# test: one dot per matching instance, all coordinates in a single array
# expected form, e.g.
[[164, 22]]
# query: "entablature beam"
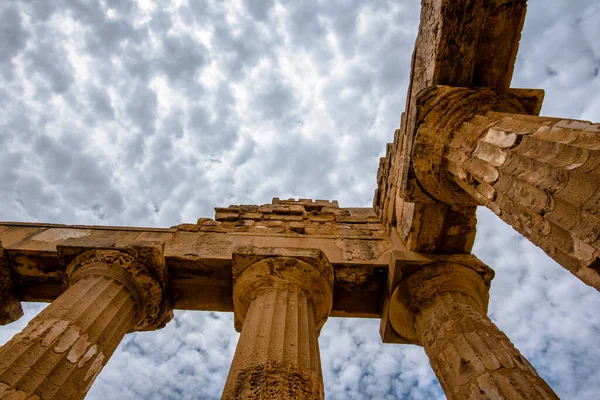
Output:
[[198, 256]]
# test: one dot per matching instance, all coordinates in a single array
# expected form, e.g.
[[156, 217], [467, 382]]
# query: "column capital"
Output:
[[473, 281], [140, 269], [257, 269], [441, 112]]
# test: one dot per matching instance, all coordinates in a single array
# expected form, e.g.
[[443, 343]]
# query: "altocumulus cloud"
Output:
[[151, 113]]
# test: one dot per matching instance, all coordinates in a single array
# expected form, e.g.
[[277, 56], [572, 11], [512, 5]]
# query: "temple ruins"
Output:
[[466, 139]]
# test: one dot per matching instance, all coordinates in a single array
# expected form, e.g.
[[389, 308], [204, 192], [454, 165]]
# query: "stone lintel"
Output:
[[10, 305]]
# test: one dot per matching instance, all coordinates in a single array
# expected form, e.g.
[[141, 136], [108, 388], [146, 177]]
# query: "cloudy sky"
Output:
[[151, 113]]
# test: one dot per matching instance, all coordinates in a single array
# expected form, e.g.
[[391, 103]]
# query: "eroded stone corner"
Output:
[[10, 305]]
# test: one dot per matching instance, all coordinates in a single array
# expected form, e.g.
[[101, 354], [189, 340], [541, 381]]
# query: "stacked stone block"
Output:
[[293, 217]]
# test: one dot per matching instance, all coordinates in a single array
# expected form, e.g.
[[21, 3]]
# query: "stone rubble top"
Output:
[[292, 216]]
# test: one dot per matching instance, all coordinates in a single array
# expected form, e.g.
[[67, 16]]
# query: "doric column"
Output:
[[282, 298], [443, 308], [540, 175], [62, 350]]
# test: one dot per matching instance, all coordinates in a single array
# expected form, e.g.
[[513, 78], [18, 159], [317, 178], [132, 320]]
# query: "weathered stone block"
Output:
[[245, 222], [289, 209], [284, 217], [251, 215], [321, 217], [225, 214]]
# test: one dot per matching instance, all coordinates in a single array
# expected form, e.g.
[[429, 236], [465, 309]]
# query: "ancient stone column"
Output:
[[443, 308], [62, 350], [540, 175], [282, 298]]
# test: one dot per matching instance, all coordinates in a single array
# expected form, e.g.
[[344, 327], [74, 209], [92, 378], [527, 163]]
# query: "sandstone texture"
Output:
[[282, 297], [198, 256]]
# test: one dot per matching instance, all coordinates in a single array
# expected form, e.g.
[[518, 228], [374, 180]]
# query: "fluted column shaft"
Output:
[[471, 357], [280, 303], [62, 350], [541, 176], [277, 355], [443, 308]]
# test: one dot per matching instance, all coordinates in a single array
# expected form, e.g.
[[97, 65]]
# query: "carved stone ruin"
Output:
[[466, 139]]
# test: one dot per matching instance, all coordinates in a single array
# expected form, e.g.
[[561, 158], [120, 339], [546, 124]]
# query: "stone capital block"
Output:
[[401, 264], [10, 305], [257, 269]]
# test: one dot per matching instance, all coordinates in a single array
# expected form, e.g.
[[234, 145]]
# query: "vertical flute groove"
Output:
[[539, 175], [472, 358], [442, 307], [278, 350], [277, 300]]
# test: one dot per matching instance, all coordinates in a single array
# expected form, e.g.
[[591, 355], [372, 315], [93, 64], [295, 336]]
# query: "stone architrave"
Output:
[[541, 175], [442, 307], [198, 255], [282, 298], [62, 350]]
